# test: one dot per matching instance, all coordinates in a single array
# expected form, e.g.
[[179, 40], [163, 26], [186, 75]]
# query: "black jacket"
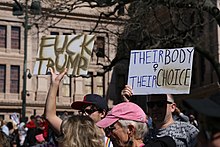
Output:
[[165, 141]]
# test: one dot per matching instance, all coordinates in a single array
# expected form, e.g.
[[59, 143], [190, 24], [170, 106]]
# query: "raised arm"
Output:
[[126, 93], [50, 106]]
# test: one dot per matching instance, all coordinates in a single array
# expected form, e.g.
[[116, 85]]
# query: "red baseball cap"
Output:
[[91, 99]]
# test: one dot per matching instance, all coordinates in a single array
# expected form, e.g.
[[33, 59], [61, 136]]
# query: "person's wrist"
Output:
[[55, 84]]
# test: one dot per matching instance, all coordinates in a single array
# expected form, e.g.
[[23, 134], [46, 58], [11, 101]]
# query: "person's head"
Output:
[[39, 120], [10, 125], [80, 130], [93, 105], [126, 122], [209, 134], [161, 107], [212, 128], [215, 142], [209, 118], [32, 117]]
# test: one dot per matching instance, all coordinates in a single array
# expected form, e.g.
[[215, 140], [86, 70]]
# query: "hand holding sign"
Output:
[[126, 93]]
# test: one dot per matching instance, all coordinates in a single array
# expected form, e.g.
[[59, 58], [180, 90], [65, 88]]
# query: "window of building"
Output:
[[100, 46], [3, 38], [2, 117], [66, 33], [66, 88], [14, 79], [54, 33], [2, 78], [15, 37]]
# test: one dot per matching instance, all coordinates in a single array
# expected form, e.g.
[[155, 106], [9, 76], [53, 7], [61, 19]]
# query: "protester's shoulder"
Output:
[[186, 126], [183, 124], [165, 141]]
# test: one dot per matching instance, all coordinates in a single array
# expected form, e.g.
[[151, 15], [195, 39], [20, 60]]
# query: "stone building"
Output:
[[12, 56], [83, 20]]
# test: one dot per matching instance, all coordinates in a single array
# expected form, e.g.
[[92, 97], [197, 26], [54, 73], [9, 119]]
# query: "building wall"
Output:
[[38, 85], [81, 21]]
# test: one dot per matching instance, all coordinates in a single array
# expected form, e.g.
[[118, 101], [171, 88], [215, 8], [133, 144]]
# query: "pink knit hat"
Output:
[[125, 111]]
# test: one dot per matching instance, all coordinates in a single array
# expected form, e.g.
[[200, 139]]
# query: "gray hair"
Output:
[[140, 128]]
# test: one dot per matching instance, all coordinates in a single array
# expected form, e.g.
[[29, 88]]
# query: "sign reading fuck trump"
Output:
[[161, 71], [64, 51]]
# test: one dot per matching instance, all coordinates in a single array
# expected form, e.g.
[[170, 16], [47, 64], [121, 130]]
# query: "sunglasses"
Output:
[[159, 104], [109, 130], [111, 127], [87, 111]]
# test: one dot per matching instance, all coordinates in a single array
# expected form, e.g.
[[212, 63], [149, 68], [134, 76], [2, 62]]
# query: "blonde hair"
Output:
[[81, 131]]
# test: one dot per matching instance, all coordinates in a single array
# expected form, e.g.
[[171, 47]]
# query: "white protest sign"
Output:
[[161, 71], [64, 51]]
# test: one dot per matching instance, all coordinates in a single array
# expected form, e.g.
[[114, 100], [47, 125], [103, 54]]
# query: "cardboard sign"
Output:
[[161, 71], [64, 51]]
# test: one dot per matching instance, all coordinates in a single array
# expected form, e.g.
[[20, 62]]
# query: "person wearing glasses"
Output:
[[96, 107], [127, 123], [92, 105], [161, 107], [74, 131]]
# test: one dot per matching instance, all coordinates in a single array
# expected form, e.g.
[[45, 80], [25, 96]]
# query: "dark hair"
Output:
[[165, 141], [10, 125], [32, 117]]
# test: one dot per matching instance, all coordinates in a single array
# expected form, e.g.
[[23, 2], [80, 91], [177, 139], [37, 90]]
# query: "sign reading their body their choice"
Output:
[[161, 71], [64, 51]]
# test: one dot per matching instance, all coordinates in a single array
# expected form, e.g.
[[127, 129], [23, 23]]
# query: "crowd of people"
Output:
[[124, 125], [25, 134]]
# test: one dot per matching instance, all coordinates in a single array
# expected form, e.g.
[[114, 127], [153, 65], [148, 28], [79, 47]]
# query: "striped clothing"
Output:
[[108, 142]]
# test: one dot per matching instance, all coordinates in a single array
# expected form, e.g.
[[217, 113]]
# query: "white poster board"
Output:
[[161, 71], [64, 51]]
